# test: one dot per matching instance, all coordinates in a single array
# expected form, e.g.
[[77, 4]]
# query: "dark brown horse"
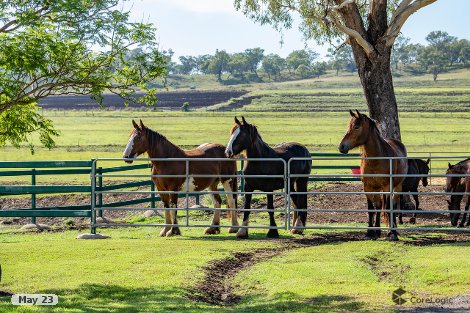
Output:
[[245, 137], [411, 183], [143, 139], [363, 132], [458, 184]]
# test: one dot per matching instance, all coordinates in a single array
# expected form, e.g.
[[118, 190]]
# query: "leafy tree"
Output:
[[202, 63], [437, 56], [187, 64], [370, 27], [272, 65], [218, 64], [68, 47], [300, 57], [342, 59], [254, 58], [238, 64]]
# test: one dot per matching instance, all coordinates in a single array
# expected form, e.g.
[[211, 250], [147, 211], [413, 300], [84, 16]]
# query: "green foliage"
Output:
[[70, 47], [185, 107]]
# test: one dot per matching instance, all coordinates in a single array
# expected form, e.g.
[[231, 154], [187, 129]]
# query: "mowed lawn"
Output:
[[138, 271]]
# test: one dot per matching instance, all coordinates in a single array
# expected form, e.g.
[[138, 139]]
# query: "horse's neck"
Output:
[[374, 146], [163, 148], [259, 150]]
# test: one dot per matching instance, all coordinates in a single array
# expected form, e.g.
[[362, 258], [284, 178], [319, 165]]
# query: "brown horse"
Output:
[[363, 132], [143, 139], [458, 184]]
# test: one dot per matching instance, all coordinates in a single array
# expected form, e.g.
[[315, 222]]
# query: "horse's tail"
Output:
[[383, 213]]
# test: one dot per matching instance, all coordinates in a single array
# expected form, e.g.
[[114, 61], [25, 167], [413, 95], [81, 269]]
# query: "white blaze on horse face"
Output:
[[130, 145], [232, 140]]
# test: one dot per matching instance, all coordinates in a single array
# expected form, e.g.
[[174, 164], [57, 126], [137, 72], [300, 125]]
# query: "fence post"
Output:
[[152, 196], [392, 224], [430, 168], [242, 179], [33, 195], [93, 197], [100, 186]]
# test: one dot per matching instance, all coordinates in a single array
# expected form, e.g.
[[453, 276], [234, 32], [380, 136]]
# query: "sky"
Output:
[[196, 27]]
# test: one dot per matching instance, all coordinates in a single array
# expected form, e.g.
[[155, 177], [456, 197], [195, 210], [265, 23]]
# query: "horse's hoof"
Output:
[[401, 222], [232, 230], [378, 233], [413, 220], [242, 233], [392, 237], [371, 235], [163, 232], [297, 231], [273, 233], [212, 231], [173, 232], [461, 225]]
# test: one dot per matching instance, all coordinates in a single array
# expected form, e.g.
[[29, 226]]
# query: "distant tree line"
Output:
[[443, 53]]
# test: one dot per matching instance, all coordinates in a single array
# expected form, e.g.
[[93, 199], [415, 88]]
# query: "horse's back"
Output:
[[214, 150], [398, 148], [289, 150]]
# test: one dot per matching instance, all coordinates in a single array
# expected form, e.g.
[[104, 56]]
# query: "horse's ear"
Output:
[[135, 125], [358, 113], [352, 113], [141, 125], [237, 121], [450, 165], [243, 120], [428, 160]]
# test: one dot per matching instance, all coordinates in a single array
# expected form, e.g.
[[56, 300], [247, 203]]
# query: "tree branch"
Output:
[[352, 33], [401, 15]]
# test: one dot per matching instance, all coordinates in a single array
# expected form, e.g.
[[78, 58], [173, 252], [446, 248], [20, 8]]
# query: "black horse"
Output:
[[245, 137], [456, 184], [411, 183]]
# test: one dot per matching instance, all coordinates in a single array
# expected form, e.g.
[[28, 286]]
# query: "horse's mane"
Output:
[[156, 139], [462, 165]]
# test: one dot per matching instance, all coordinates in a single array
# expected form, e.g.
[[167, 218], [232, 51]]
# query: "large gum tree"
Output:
[[57, 47], [369, 26]]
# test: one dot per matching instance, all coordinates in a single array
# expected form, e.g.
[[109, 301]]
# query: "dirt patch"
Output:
[[217, 286]]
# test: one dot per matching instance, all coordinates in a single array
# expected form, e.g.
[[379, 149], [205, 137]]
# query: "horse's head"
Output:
[[138, 142], [454, 205], [423, 168], [452, 181], [358, 131], [242, 136]]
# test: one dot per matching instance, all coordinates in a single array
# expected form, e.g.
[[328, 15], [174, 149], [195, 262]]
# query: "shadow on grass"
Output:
[[289, 302], [119, 299]]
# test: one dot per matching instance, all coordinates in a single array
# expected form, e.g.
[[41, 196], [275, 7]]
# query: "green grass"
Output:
[[138, 271]]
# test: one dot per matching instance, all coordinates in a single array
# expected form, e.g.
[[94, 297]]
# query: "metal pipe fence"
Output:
[[285, 209]]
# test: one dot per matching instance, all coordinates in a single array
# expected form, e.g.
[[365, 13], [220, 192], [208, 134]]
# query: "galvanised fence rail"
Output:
[[321, 172]]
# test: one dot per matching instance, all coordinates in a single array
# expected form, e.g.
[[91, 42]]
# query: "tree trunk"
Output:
[[376, 79]]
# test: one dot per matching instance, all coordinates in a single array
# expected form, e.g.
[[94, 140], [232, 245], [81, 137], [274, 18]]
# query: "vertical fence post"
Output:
[[430, 168], [100, 186], [242, 179], [93, 197], [187, 192], [33, 195], [152, 196], [392, 225], [286, 194]]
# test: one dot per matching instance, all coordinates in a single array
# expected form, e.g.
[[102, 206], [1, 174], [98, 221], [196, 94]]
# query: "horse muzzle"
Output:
[[229, 154], [343, 148], [128, 159]]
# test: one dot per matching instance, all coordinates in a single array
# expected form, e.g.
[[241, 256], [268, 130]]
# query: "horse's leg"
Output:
[[242, 233], [166, 204], [216, 201], [272, 233], [301, 204], [370, 206], [464, 217], [379, 207], [466, 208], [174, 230], [400, 215], [392, 235], [413, 219], [230, 186]]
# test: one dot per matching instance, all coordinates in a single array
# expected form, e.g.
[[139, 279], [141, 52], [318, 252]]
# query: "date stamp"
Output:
[[34, 299]]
